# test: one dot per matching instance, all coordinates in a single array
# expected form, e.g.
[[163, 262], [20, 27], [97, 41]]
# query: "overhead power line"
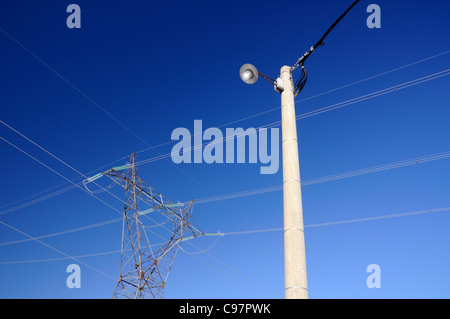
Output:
[[252, 192], [74, 87], [369, 170], [313, 96], [412, 161], [102, 109], [63, 184], [59, 258], [320, 42], [146, 216], [229, 123], [60, 233], [60, 160], [59, 174], [256, 231], [347, 221], [40, 199], [57, 250], [361, 98]]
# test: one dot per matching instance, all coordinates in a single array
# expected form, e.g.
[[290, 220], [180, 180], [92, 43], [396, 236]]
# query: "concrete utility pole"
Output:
[[295, 282]]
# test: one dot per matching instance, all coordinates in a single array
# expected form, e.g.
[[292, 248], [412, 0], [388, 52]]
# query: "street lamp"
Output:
[[295, 279], [248, 73]]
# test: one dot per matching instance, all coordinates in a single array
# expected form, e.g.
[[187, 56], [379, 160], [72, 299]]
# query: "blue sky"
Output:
[[157, 66]]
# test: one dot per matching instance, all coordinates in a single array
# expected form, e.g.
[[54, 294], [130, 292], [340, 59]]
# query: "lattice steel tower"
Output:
[[143, 269]]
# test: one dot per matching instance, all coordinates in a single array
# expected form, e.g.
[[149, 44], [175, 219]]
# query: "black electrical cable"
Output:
[[320, 42], [300, 83]]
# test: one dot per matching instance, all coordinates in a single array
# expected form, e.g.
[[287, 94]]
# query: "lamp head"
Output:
[[248, 73]]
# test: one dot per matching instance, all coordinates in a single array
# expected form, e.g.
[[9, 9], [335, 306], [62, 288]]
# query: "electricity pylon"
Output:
[[144, 270]]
